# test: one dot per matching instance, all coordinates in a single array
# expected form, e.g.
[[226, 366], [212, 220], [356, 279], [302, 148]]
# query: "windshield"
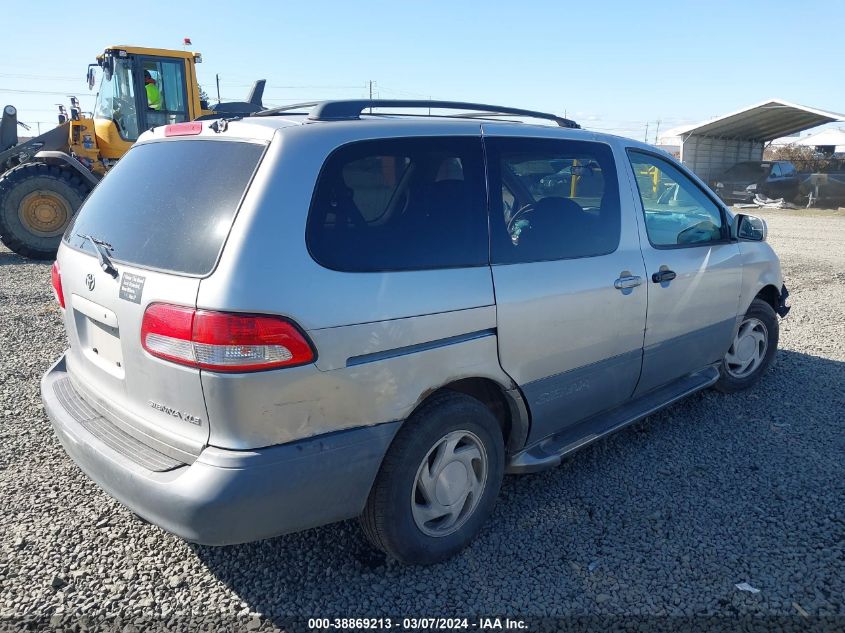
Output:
[[157, 208], [116, 99]]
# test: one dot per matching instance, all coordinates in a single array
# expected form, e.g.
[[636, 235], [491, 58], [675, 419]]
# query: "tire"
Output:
[[760, 321], [37, 192], [393, 517]]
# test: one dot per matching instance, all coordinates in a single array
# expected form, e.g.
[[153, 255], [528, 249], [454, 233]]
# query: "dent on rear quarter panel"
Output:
[[266, 408]]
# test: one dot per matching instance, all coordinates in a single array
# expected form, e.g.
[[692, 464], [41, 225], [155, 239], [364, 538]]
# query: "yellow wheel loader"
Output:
[[44, 180]]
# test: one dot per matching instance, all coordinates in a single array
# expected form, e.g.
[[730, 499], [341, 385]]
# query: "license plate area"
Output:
[[99, 336], [104, 343]]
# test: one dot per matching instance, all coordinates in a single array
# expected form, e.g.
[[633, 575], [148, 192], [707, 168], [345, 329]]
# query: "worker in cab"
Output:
[[153, 94]]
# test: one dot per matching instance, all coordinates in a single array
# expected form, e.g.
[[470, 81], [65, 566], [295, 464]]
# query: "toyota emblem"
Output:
[[90, 281]]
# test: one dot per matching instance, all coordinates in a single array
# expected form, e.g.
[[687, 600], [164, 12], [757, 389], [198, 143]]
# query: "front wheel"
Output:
[[752, 350], [439, 481]]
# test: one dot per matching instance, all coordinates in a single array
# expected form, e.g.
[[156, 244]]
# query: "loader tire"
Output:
[[37, 202]]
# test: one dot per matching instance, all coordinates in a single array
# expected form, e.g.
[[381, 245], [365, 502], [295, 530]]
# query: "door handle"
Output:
[[663, 275], [627, 282]]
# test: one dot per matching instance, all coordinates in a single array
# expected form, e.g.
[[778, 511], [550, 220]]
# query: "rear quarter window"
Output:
[[169, 205], [400, 204]]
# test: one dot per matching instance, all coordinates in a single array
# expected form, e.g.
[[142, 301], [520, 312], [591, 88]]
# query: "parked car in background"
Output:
[[743, 181], [347, 315], [823, 181]]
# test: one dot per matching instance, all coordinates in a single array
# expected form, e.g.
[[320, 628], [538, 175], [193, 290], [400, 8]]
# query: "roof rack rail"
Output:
[[351, 109]]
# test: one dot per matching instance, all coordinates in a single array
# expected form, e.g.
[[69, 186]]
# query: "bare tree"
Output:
[[804, 157]]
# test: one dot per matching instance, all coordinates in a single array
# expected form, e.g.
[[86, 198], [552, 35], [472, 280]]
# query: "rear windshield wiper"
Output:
[[101, 247]]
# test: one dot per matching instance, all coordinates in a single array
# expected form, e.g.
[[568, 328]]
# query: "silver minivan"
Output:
[[293, 319]]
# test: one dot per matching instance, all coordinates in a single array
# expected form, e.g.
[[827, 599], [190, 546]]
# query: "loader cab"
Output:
[[122, 112]]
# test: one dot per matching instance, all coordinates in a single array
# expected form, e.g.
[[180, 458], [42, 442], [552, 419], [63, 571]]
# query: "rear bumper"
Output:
[[734, 193], [226, 496], [732, 198]]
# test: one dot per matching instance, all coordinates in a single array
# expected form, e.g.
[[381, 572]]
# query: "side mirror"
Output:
[[749, 227], [90, 77]]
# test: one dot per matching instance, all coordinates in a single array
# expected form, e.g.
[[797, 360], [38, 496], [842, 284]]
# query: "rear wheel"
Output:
[[439, 481], [752, 350], [37, 202]]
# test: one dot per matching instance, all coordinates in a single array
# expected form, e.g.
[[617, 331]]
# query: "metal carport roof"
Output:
[[762, 122]]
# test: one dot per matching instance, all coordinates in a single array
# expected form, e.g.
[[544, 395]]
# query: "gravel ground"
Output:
[[664, 518]]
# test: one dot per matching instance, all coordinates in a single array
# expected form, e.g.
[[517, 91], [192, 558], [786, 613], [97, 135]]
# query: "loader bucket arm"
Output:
[[52, 140]]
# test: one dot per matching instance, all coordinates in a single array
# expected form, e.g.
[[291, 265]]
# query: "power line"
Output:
[[65, 93], [78, 80], [407, 93], [298, 87]]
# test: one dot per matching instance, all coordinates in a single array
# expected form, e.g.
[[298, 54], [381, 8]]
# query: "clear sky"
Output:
[[611, 65]]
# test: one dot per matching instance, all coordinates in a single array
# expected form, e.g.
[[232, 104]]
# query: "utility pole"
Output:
[[371, 95], [217, 78], [656, 132], [645, 138], [39, 127]]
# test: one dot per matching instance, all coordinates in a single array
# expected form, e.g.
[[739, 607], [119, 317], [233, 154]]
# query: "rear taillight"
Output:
[[56, 278], [222, 341]]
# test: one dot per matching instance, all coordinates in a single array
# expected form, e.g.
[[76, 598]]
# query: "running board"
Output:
[[549, 452]]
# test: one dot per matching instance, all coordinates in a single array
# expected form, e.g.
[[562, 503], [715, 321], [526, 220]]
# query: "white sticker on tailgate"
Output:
[[132, 287]]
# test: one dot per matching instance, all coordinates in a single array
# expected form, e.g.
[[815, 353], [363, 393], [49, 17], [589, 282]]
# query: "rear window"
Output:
[[168, 205], [401, 204]]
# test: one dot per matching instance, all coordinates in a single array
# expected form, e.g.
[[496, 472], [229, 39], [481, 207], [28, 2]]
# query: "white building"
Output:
[[827, 140]]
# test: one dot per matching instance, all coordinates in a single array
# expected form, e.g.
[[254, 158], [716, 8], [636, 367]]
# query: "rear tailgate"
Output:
[[164, 212], [106, 363]]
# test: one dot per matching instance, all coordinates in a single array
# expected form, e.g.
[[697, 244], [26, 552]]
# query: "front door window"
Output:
[[677, 212]]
